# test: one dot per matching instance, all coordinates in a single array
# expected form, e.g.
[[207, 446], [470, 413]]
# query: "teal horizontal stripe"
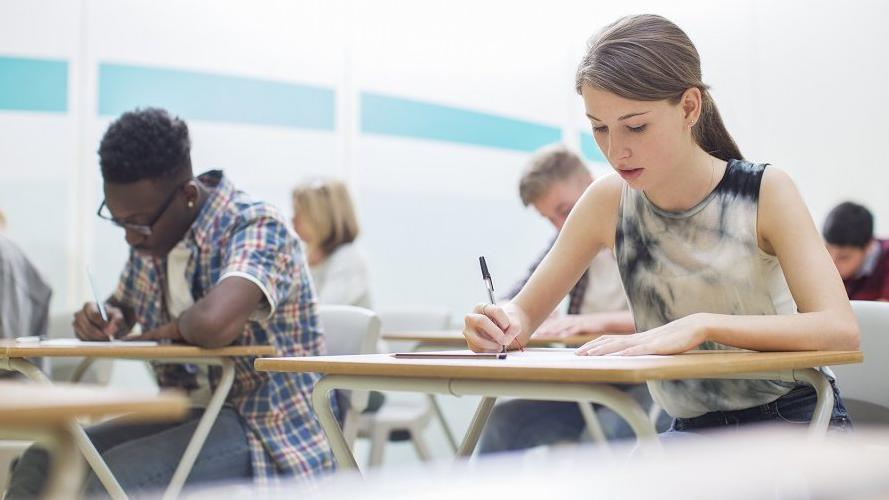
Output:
[[215, 97], [386, 115], [589, 149], [33, 84]]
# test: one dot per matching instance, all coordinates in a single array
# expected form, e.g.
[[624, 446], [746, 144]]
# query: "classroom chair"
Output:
[[406, 419], [350, 330], [862, 385]]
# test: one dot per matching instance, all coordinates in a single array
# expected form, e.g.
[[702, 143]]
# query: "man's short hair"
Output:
[[849, 225], [548, 166], [145, 144]]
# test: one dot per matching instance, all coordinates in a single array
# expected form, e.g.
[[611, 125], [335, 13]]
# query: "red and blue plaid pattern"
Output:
[[235, 235]]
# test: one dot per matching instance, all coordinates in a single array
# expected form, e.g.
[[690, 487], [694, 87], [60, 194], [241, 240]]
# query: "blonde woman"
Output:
[[715, 252], [324, 218]]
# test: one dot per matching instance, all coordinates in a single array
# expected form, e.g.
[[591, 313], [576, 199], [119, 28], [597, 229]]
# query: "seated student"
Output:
[[324, 218], [24, 294], [861, 259], [553, 181], [208, 266], [715, 252]]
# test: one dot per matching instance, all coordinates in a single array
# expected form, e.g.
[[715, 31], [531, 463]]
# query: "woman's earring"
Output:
[[190, 204]]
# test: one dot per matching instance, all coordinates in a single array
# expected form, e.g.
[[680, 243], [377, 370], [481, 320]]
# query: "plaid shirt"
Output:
[[575, 296], [872, 283], [235, 236]]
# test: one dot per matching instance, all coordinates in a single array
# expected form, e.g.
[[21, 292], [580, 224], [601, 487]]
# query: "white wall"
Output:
[[798, 84]]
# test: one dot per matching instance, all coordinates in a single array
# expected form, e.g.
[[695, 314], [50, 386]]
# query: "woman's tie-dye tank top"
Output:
[[705, 259]]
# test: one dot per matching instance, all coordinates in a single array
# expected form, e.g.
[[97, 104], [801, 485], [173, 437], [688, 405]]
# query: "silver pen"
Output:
[[99, 303], [489, 284]]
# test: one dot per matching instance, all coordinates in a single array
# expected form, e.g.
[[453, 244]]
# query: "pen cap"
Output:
[[485, 274]]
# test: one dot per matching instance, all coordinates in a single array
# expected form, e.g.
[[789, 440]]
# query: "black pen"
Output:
[[489, 284]]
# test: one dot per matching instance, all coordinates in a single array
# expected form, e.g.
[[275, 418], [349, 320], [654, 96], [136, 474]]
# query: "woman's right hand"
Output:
[[489, 327], [89, 325]]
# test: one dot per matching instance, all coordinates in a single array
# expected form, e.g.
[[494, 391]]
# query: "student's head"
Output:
[[149, 187], [848, 231], [323, 215], [553, 181], [641, 85]]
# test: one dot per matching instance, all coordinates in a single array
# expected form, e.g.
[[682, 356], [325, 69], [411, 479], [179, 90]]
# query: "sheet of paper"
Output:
[[549, 355], [101, 343]]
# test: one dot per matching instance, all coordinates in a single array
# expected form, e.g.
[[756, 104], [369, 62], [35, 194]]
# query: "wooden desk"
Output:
[[448, 338], [48, 414], [552, 374], [13, 349], [13, 354], [453, 339]]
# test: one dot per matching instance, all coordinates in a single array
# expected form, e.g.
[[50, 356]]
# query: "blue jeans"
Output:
[[143, 457], [520, 424], [794, 408]]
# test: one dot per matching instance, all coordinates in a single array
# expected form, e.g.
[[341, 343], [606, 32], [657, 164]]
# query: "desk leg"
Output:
[[819, 381], [203, 429], [594, 427], [81, 369], [824, 406], [433, 401], [65, 476], [66, 472], [618, 401], [621, 403], [439, 415], [342, 452], [470, 439], [92, 456]]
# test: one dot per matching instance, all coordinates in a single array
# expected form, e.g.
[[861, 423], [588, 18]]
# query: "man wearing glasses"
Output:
[[211, 267]]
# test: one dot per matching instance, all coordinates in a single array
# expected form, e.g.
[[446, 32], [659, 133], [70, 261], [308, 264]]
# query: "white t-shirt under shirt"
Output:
[[343, 278], [179, 299], [604, 290]]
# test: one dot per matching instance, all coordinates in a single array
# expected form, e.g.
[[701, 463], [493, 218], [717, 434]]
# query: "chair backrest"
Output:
[[349, 329], [59, 325], [417, 319], [865, 382]]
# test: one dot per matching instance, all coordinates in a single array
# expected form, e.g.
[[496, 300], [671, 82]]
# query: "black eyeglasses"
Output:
[[145, 229]]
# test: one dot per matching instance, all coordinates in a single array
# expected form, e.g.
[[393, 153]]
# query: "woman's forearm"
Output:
[[814, 331]]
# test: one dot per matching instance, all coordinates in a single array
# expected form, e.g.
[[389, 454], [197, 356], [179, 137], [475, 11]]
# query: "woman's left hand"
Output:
[[675, 337]]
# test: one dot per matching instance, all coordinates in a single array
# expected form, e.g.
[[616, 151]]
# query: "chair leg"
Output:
[[654, 411], [420, 445], [378, 440]]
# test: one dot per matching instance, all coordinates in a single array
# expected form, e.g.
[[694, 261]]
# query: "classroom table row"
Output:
[[553, 374], [537, 373], [48, 414], [15, 356]]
